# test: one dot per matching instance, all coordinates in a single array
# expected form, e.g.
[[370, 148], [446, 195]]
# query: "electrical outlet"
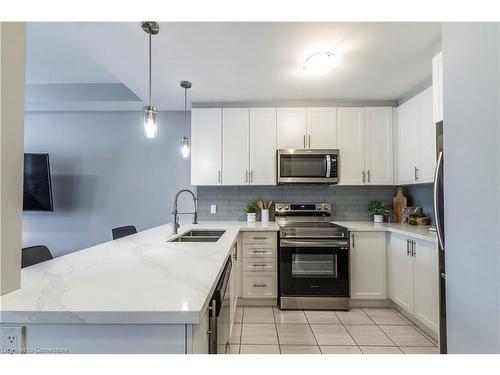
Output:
[[12, 339], [213, 209]]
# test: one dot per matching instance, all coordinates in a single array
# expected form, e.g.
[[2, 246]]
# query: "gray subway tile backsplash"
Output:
[[348, 202]]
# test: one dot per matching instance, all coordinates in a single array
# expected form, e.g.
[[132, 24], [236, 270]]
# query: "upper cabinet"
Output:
[[416, 140], [291, 127], [365, 139], [437, 88], [321, 128], [262, 162], [206, 146], [233, 146]]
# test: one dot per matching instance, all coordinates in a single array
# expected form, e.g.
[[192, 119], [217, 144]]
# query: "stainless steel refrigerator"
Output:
[[439, 223]]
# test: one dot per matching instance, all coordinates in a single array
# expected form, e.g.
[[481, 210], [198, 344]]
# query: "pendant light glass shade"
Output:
[[185, 147], [185, 140], [150, 122]]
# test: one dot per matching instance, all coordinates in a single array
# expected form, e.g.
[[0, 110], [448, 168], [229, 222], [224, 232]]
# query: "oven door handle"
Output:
[[315, 243], [328, 166]]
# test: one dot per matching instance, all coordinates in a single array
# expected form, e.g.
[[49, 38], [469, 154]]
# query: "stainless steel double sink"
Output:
[[200, 236]]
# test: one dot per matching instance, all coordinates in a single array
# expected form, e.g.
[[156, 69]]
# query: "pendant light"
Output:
[[185, 140], [150, 112]]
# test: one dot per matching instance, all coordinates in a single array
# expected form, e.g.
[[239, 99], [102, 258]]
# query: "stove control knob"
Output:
[[279, 207], [325, 207], [318, 207], [287, 207]]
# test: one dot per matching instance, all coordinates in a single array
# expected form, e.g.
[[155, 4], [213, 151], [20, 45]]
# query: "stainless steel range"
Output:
[[313, 258]]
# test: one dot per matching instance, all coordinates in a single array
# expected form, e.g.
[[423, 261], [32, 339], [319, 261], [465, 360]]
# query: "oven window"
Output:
[[302, 166], [314, 265]]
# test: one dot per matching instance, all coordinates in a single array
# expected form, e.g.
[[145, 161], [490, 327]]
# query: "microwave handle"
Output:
[[328, 165]]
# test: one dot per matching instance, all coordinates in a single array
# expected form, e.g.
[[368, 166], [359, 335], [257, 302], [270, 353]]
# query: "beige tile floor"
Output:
[[268, 330]]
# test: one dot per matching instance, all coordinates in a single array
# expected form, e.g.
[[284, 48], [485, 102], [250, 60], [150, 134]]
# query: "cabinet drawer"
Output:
[[259, 238], [259, 284], [259, 264], [263, 251]]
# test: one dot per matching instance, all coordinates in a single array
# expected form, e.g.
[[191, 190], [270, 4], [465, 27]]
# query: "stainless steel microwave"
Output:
[[297, 166]]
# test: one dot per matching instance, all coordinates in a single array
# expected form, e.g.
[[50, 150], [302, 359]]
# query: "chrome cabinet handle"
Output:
[[259, 285], [235, 253], [407, 247], [218, 176], [309, 140], [259, 251], [364, 177], [304, 140], [246, 176], [259, 265], [368, 175], [416, 174], [212, 329], [413, 249], [251, 176], [259, 238], [352, 237]]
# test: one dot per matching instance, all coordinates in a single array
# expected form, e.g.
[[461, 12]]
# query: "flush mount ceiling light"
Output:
[[185, 140], [150, 112], [320, 63]]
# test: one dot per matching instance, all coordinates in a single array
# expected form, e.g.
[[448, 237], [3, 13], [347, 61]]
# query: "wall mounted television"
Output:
[[37, 192]]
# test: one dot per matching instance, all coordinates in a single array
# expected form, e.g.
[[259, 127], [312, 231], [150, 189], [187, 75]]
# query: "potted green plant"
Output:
[[251, 211], [378, 209]]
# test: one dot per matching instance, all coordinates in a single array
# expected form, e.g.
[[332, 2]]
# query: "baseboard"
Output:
[[371, 302], [257, 301], [429, 332]]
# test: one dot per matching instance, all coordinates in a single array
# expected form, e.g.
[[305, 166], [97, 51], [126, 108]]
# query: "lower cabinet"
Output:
[[413, 278], [259, 272], [368, 265]]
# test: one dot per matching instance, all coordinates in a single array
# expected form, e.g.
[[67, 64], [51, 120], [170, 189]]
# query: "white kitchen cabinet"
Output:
[[291, 128], [427, 136], [350, 126], [416, 140], [426, 279], [401, 272], [368, 265], [379, 156], [206, 146], [413, 278], [437, 87], [321, 128], [262, 166], [235, 146]]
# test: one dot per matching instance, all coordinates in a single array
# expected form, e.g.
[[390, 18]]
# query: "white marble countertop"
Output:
[[419, 232], [141, 278]]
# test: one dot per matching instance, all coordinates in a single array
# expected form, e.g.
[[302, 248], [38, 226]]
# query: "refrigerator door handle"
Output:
[[438, 172]]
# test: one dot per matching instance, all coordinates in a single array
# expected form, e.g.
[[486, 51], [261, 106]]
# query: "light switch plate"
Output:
[[12, 339], [213, 209]]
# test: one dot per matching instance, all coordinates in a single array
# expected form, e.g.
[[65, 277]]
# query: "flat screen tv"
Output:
[[37, 195]]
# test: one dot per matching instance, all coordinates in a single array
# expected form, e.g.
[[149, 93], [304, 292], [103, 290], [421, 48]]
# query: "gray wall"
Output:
[[349, 202], [105, 173], [471, 58]]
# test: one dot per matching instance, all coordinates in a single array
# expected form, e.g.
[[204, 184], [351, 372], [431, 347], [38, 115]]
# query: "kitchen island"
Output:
[[137, 294]]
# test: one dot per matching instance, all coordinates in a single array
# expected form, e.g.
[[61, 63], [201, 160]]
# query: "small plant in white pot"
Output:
[[378, 209], [251, 211]]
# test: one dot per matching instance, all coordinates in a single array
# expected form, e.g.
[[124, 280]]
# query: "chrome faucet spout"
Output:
[[176, 213]]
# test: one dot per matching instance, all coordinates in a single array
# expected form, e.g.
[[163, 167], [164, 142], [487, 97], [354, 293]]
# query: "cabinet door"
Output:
[[235, 130], [263, 146], [321, 128], [368, 265], [401, 272], [408, 141], [291, 127], [206, 146], [426, 278], [350, 126], [427, 136], [437, 87], [379, 146]]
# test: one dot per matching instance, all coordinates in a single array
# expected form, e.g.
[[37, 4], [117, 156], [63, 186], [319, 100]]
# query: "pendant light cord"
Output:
[[150, 69], [185, 109]]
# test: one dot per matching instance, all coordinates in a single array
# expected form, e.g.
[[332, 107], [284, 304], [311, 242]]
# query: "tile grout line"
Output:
[[374, 322], [276, 329], [312, 331], [349, 333]]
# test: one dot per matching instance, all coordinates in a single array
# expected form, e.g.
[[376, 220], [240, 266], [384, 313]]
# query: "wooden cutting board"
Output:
[[398, 203]]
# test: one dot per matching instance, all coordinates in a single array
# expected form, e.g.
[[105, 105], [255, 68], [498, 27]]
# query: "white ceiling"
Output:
[[236, 61]]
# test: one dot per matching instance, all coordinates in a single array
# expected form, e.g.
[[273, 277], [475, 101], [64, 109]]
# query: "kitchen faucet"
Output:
[[176, 213]]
